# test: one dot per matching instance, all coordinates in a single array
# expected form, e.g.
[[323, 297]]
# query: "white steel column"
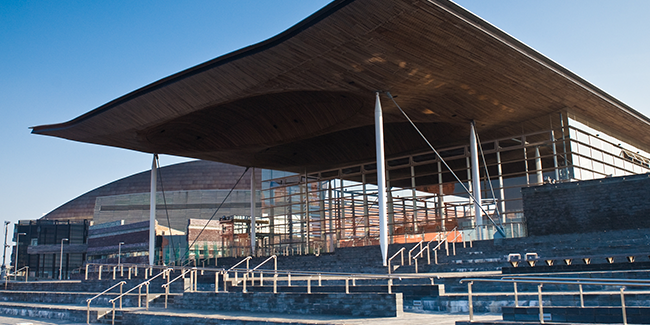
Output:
[[476, 181], [381, 180], [152, 209], [538, 167], [253, 200]]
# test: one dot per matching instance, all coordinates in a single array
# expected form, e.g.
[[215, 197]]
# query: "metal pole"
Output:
[[253, 199], [381, 180], [17, 243], [538, 166], [152, 209], [4, 251], [623, 306], [476, 181], [119, 252], [541, 308], [61, 260]]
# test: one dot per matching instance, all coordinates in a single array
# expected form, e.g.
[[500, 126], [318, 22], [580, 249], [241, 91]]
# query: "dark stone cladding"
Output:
[[193, 175], [615, 203]]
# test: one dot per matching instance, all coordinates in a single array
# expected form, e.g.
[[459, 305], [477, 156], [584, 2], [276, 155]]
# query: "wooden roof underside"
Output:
[[304, 100]]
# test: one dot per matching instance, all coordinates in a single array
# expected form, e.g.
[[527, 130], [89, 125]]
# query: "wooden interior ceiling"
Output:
[[304, 100]]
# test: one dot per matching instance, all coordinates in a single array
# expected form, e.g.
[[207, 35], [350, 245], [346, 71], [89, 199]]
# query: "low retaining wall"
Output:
[[354, 304]]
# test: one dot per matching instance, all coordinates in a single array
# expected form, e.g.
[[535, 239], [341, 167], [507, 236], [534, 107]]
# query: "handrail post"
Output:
[[216, 281], [140, 296], [319, 280], [146, 298], [541, 308], [87, 271], [402, 256], [309, 285], [225, 281], [113, 317], [244, 281], [469, 301], [416, 264], [114, 273], [99, 274], [516, 296], [390, 285], [129, 273], [347, 285], [166, 295], [261, 279], [275, 283], [428, 255], [289, 279], [435, 255], [88, 312], [623, 306], [121, 285], [582, 299]]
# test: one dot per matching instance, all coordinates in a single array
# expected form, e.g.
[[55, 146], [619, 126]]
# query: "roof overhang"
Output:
[[304, 99]]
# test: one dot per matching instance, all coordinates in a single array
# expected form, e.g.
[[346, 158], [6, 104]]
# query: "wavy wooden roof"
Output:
[[304, 99]]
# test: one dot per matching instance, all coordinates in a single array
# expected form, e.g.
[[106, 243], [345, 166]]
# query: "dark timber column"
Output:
[[381, 179]]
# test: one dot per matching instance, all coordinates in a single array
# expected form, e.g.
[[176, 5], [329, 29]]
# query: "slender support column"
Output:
[[152, 209], [441, 199], [476, 181], [502, 192], [381, 180], [253, 200], [538, 167]]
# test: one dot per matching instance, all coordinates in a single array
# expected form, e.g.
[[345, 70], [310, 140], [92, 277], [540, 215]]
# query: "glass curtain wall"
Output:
[[320, 211]]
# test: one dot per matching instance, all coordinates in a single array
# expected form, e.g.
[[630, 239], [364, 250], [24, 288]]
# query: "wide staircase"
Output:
[[477, 277]]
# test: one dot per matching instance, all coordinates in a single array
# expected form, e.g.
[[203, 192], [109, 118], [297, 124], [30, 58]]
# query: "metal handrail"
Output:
[[268, 259], [242, 261], [139, 286], [392, 257], [15, 274], [166, 285], [89, 300], [414, 247], [540, 281]]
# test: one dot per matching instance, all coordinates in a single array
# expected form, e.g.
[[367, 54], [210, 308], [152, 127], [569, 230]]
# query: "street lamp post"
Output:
[[4, 251], [119, 252], [17, 242], [61, 260]]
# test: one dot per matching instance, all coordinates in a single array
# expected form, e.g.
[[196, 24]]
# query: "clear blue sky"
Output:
[[60, 59]]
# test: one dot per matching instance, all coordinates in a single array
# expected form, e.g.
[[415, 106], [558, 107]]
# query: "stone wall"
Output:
[[615, 203], [355, 304]]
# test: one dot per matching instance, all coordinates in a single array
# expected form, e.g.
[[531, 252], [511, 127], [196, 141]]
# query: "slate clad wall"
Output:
[[354, 304], [615, 203]]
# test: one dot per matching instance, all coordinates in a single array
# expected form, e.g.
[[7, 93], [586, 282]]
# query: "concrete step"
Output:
[[73, 313]]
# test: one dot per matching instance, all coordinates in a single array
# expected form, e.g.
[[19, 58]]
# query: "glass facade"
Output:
[[319, 211]]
